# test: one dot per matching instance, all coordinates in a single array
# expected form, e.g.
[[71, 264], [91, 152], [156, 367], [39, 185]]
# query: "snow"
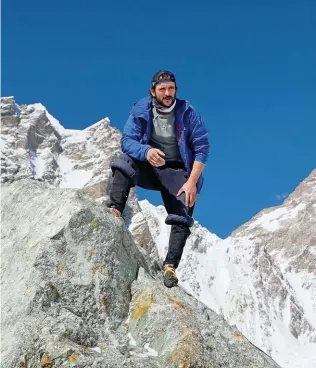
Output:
[[96, 349], [54, 122], [40, 167], [21, 151], [151, 352], [3, 144], [137, 222], [56, 125], [17, 110], [98, 123], [75, 136], [65, 164], [72, 178], [41, 161], [219, 273], [296, 281], [132, 341], [273, 220], [289, 352], [76, 179]]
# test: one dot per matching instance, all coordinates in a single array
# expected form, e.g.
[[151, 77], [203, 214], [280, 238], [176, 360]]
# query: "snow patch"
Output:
[[56, 125], [3, 144], [96, 349], [296, 281], [21, 151], [151, 352], [65, 164], [272, 221], [76, 179], [132, 341]]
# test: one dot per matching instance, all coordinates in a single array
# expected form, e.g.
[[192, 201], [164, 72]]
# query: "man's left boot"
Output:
[[169, 276]]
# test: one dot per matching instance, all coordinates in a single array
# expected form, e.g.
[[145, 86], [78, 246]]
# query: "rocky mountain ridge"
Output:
[[262, 278]]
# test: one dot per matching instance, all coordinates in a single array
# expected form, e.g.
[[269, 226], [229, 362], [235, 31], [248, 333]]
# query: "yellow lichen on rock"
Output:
[[72, 358], [184, 352], [239, 337], [144, 304], [95, 225], [46, 361]]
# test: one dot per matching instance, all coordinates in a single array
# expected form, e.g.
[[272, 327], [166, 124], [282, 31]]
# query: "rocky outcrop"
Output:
[[76, 291]]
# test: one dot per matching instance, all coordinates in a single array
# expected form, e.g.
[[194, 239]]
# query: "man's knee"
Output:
[[127, 166], [184, 230], [179, 220]]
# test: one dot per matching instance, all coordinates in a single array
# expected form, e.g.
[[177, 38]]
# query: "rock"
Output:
[[76, 291], [178, 331], [67, 269]]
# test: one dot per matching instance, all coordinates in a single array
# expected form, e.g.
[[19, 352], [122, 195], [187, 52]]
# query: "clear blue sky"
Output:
[[247, 66]]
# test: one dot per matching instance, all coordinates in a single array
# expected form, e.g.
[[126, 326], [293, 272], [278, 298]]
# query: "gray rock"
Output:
[[35, 145], [176, 330], [67, 269], [73, 294]]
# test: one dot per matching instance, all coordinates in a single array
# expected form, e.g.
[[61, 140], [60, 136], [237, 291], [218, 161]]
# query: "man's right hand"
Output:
[[155, 157]]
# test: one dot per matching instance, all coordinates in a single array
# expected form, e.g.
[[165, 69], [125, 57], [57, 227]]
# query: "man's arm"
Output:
[[190, 186], [198, 137], [131, 138], [196, 171], [200, 145]]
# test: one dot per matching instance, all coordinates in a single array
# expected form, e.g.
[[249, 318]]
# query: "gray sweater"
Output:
[[164, 135]]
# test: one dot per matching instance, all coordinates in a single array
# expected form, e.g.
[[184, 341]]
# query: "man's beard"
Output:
[[162, 104]]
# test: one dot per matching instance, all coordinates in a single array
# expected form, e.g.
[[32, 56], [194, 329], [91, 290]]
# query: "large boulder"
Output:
[[76, 291]]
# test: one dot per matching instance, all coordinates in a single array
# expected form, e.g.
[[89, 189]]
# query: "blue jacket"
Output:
[[191, 133]]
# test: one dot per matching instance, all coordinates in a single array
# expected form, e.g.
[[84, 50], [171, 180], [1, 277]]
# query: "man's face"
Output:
[[165, 93]]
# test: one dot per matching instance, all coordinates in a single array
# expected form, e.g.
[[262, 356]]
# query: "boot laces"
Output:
[[170, 271]]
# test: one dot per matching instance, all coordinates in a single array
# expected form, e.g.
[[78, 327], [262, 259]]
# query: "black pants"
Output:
[[167, 179]]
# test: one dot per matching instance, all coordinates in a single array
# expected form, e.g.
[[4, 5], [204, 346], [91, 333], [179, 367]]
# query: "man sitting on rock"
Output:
[[165, 147]]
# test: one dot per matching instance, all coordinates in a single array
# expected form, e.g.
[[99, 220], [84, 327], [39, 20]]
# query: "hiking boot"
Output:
[[169, 276]]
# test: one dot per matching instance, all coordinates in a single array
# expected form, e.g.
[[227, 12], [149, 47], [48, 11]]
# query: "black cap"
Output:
[[162, 76]]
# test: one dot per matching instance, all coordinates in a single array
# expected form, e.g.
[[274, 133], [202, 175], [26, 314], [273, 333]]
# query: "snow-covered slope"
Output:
[[262, 278]]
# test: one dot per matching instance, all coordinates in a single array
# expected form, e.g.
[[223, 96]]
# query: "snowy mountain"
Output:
[[262, 278], [34, 144]]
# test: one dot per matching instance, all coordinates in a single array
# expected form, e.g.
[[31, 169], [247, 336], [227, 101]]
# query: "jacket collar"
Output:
[[143, 108]]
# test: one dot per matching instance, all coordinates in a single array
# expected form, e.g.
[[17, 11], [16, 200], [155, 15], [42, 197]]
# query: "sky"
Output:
[[247, 67]]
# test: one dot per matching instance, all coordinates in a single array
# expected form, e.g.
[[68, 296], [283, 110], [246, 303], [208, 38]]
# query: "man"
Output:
[[165, 147]]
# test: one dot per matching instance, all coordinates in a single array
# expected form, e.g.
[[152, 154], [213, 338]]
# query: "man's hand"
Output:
[[155, 157], [190, 193]]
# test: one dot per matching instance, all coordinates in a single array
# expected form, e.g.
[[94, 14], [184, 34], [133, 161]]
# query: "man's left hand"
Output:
[[190, 193]]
